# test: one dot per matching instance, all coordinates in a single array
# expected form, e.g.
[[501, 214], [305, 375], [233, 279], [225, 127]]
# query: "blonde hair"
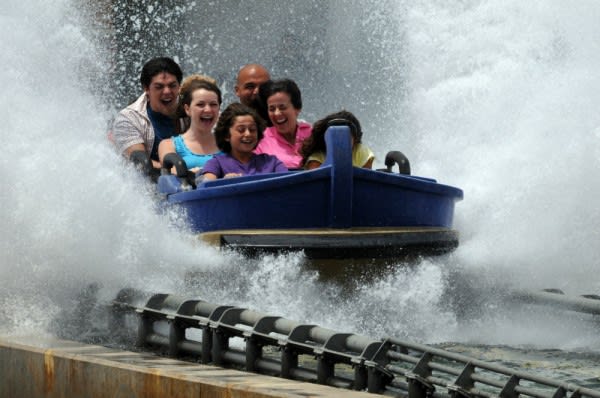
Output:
[[190, 84], [195, 77]]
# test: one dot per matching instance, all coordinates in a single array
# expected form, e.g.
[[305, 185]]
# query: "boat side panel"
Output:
[[420, 184], [251, 184], [296, 206], [380, 204]]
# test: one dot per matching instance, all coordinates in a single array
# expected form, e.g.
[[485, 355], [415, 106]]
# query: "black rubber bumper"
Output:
[[344, 243]]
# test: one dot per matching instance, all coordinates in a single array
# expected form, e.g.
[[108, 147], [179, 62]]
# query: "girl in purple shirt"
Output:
[[238, 131]]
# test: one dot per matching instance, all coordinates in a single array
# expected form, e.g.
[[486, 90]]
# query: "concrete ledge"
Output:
[[45, 367]]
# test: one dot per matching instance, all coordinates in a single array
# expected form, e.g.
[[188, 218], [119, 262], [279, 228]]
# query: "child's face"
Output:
[[243, 134]]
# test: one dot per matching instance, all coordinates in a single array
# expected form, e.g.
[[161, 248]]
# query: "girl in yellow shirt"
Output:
[[313, 149]]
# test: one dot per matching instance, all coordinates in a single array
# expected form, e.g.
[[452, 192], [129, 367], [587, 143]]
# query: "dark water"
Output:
[[498, 98]]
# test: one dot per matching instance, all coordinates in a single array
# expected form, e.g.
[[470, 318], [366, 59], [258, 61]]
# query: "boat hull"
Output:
[[339, 243]]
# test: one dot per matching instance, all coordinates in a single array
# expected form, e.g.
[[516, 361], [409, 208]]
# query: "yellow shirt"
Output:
[[360, 155]]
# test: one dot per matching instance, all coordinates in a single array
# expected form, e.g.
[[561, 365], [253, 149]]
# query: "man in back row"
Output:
[[152, 117], [249, 79]]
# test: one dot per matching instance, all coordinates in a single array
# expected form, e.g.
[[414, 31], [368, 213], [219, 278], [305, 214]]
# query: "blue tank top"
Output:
[[191, 159]]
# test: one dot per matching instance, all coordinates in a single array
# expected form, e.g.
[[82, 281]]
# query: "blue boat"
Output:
[[334, 211]]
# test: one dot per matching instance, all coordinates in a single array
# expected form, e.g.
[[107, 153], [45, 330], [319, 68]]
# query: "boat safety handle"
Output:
[[397, 157], [174, 160], [140, 161]]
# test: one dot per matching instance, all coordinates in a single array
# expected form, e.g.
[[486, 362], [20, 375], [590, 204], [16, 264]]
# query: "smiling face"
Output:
[[162, 93], [249, 80], [283, 115], [243, 136], [203, 109]]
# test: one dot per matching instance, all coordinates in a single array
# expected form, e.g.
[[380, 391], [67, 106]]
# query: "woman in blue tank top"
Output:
[[201, 102]]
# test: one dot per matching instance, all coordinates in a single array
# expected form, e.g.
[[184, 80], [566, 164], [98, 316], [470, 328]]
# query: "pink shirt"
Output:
[[274, 144]]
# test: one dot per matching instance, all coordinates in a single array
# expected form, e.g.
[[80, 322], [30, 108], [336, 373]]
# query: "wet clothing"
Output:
[[259, 164], [274, 144], [360, 155], [190, 158]]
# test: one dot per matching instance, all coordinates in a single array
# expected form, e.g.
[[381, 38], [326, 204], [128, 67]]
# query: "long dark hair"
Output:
[[316, 142], [287, 86]]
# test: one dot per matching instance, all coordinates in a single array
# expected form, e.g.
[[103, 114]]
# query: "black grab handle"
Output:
[[140, 161], [174, 160], [397, 157]]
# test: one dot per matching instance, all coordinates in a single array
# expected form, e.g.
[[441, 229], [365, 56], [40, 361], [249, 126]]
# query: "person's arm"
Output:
[[363, 154], [369, 164], [314, 160], [127, 136], [312, 164], [133, 148], [166, 146], [140, 147], [212, 169], [280, 167]]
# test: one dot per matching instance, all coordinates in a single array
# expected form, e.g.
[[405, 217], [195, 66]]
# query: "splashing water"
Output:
[[502, 102], [509, 107], [498, 98], [72, 213]]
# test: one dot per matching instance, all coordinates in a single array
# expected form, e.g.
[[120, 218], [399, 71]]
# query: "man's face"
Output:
[[162, 93], [249, 80]]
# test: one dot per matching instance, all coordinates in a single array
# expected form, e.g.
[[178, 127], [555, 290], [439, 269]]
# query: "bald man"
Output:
[[249, 79]]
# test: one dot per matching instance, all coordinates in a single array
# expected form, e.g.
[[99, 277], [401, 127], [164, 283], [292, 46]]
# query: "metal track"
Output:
[[585, 303], [236, 337]]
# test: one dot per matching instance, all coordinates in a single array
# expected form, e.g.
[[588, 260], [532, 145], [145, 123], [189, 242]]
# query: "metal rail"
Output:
[[237, 337], [586, 303]]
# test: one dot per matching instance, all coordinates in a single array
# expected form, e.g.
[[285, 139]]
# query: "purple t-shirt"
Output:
[[259, 164]]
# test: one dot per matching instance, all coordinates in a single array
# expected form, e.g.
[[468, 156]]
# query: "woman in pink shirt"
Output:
[[284, 139]]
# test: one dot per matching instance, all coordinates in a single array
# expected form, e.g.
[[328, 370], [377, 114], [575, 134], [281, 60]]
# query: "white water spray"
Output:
[[72, 213], [503, 103]]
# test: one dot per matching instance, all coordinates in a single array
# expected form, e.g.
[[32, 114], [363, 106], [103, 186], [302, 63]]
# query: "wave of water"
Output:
[[72, 213], [507, 111], [499, 98], [503, 103]]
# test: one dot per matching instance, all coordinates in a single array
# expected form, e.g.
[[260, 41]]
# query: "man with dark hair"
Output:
[[152, 117]]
